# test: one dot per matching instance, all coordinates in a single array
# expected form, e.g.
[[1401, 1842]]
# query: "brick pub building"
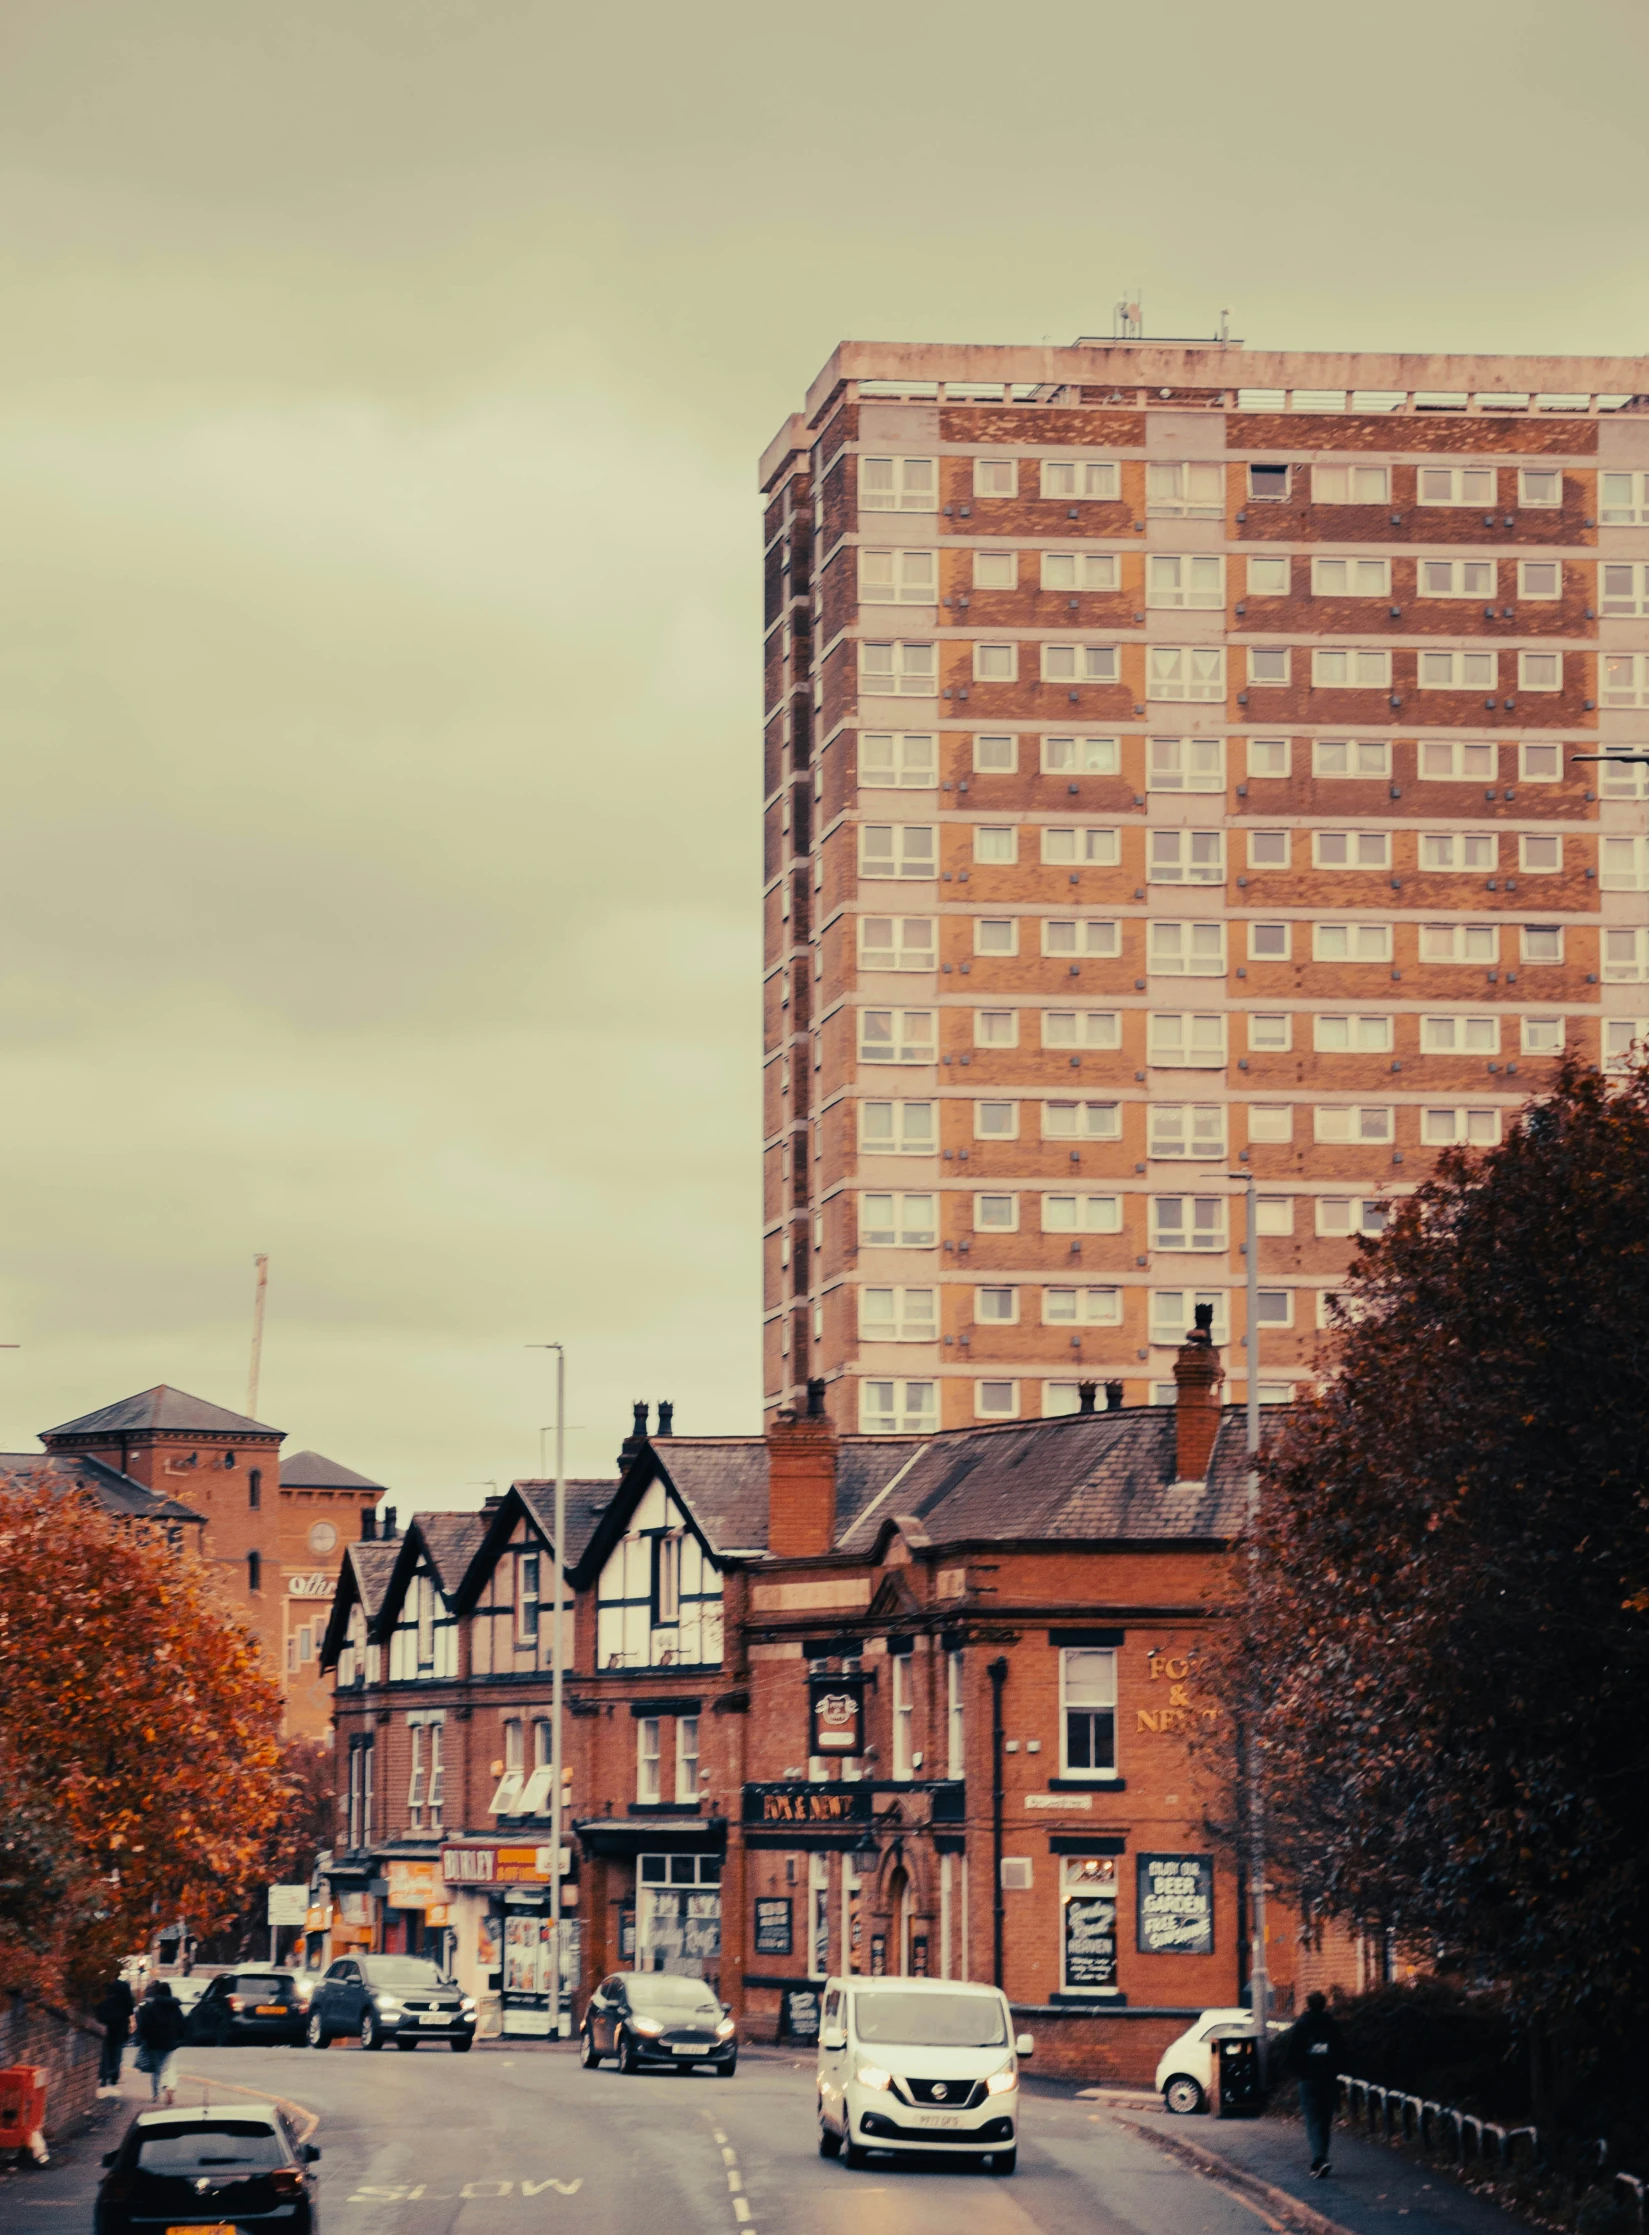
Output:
[[900, 1704], [1170, 765]]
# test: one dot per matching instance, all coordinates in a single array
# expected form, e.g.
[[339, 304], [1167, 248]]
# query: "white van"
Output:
[[919, 2064]]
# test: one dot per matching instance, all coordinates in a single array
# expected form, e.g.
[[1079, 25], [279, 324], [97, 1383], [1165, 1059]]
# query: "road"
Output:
[[525, 2142]]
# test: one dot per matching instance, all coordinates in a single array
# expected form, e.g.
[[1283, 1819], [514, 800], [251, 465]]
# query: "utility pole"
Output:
[[1259, 1973], [556, 1662], [259, 1291]]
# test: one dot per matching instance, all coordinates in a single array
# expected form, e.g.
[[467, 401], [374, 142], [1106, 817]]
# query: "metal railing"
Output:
[[1396, 2116]]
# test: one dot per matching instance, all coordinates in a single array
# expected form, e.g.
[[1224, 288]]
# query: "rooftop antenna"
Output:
[[260, 1290], [1128, 319]]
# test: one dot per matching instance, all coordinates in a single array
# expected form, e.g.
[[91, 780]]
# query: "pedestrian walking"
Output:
[[114, 2015], [1314, 2051], [159, 2034]]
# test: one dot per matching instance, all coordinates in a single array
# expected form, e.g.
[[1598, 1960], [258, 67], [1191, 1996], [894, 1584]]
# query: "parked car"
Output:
[[657, 2017], [918, 2064], [403, 1999], [246, 2006], [1185, 2070], [238, 2168]]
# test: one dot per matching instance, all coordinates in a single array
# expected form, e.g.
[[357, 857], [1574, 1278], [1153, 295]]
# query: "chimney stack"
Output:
[[1113, 1396], [1197, 1378], [666, 1417], [389, 1524], [636, 1438], [801, 1480], [369, 1524], [1085, 1392]]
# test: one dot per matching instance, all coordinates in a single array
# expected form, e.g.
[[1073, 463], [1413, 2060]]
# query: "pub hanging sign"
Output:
[[837, 1715]]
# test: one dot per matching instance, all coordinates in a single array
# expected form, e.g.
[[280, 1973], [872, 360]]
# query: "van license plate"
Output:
[[938, 2118]]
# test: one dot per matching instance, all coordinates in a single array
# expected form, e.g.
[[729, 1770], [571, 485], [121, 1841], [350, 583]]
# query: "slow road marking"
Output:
[[472, 2192]]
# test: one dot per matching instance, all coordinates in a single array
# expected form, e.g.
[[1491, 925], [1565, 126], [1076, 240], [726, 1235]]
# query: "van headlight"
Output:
[[873, 2076], [1003, 2082], [467, 2005]]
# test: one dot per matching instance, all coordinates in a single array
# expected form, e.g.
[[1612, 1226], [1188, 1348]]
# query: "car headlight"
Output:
[[386, 2001], [1003, 2082], [873, 2076], [649, 2026], [724, 2029]]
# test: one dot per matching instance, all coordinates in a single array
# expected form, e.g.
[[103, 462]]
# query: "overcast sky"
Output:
[[381, 388]]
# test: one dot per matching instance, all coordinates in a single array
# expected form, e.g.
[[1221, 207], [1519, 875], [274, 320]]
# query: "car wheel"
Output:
[[853, 2157], [406, 2041], [727, 2070], [372, 2033], [461, 2047], [830, 2142], [590, 2057], [1182, 2095], [1005, 2161], [628, 2059], [315, 2033]]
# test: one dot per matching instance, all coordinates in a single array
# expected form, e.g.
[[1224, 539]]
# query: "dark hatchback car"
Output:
[[375, 1999], [249, 2006], [653, 2017], [230, 2170]]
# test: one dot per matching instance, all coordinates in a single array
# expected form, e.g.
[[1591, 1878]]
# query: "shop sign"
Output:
[[500, 1866], [1176, 1905], [807, 1804], [415, 1885], [799, 2009], [838, 1715], [309, 1586], [1091, 1943], [773, 1927]]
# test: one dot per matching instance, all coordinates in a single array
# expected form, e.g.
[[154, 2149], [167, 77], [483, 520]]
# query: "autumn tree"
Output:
[[306, 1823], [1441, 1657], [138, 1743]]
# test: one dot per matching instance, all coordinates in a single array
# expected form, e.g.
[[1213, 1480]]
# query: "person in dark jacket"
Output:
[[114, 2015], [159, 2031], [1314, 2052]]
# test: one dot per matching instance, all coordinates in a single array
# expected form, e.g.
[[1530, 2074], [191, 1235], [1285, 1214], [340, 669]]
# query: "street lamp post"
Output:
[[1259, 1973], [556, 1660]]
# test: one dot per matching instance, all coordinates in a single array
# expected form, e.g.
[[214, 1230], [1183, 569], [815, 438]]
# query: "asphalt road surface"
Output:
[[523, 2141]]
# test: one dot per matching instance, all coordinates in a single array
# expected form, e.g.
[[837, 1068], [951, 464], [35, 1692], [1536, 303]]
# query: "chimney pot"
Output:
[[389, 1523], [1113, 1396], [815, 1400], [638, 1425], [666, 1417], [1085, 1391], [369, 1524]]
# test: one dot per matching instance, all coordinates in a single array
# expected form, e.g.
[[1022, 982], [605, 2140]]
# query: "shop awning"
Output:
[[653, 1835]]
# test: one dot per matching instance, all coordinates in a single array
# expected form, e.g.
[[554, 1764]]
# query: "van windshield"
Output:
[[931, 2021]]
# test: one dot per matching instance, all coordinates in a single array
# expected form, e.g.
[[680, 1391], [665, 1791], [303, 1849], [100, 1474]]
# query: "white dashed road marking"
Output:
[[735, 2179]]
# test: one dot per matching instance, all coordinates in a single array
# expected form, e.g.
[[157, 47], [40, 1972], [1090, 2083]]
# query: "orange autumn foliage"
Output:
[[139, 1743]]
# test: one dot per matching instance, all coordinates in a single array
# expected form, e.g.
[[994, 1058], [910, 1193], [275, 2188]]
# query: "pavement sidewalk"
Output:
[[1371, 2188]]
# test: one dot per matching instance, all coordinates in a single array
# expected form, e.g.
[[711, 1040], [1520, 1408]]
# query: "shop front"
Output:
[[417, 1913], [502, 1932]]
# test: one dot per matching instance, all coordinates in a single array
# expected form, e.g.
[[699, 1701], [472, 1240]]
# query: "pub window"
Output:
[[1088, 1696]]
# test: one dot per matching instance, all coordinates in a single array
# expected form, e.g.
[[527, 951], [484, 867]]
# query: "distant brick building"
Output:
[[1170, 762], [896, 1704], [271, 1534]]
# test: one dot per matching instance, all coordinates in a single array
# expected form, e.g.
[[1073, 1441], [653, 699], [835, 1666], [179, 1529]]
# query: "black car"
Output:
[[248, 2006], [654, 2017], [403, 1999], [239, 2169]]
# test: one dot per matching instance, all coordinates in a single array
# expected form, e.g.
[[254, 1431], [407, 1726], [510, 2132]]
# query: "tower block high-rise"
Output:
[[1171, 767]]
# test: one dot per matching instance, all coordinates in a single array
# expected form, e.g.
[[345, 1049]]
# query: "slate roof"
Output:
[[587, 1501], [162, 1407], [371, 1566], [115, 1492], [309, 1470], [451, 1540], [1076, 1477]]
